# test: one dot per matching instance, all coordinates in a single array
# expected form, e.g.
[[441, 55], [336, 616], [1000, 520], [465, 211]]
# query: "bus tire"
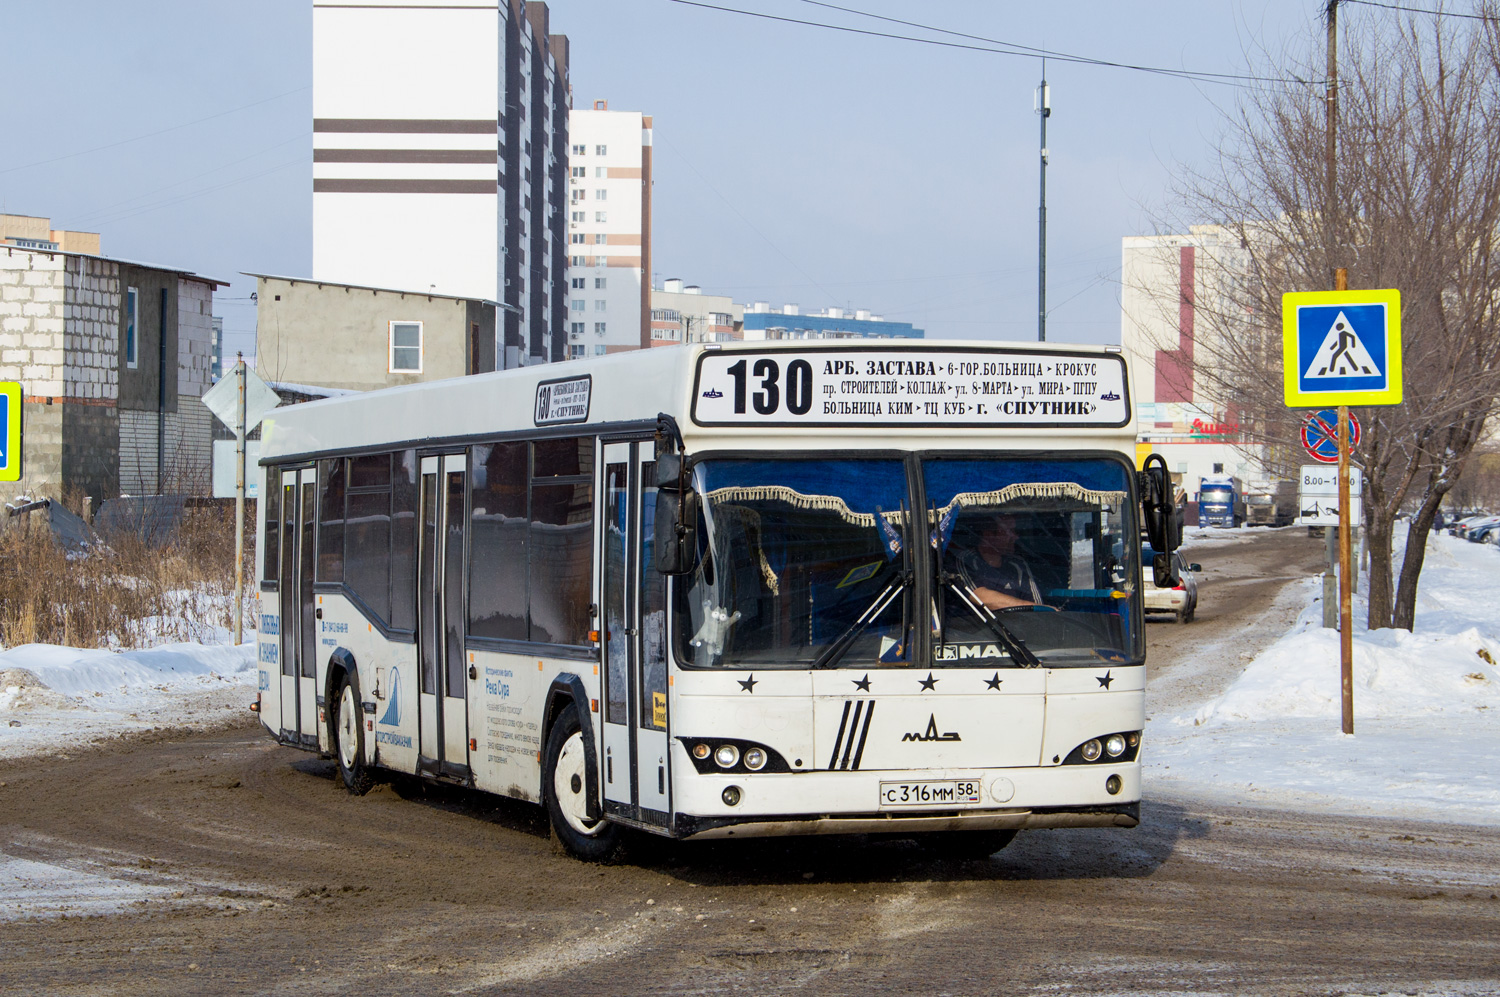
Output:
[[967, 845], [349, 737], [565, 783]]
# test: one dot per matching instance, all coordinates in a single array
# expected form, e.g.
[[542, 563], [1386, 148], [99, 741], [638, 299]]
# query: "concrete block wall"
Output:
[[138, 452], [195, 337], [32, 322], [92, 329]]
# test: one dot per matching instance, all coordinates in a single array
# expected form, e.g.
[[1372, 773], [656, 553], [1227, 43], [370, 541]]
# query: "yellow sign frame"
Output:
[[1293, 301], [10, 469]]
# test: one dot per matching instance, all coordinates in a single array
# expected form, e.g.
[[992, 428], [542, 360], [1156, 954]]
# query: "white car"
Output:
[[1181, 601]]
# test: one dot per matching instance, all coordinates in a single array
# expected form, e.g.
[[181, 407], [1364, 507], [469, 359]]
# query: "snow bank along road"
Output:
[[217, 862]]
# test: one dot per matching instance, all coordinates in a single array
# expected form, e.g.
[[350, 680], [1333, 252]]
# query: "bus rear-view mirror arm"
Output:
[[1159, 516]]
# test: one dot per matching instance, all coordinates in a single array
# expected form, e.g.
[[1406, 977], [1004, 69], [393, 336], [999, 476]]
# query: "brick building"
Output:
[[113, 358]]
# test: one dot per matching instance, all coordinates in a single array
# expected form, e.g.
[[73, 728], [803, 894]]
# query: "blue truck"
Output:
[[1221, 500]]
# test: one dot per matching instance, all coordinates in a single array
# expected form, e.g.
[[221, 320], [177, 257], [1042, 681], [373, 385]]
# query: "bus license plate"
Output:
[[929, 794]]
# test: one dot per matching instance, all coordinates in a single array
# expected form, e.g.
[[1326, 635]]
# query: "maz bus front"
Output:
[[726, 589]]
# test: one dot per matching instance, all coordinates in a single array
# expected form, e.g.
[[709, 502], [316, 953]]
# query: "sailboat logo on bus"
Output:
[[392, 715], [713, 393]]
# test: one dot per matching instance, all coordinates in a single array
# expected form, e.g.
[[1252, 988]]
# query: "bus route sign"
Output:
[[10, 431], [894, 386], [1341, 347]]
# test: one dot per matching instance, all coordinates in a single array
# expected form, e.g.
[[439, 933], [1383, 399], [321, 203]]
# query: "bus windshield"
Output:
[[800, 560], [1034, 561], [814, 563]]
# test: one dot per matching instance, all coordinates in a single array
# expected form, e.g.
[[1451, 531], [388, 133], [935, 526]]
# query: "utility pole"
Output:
[[1044, 109], [239, 499], [1340, 283]]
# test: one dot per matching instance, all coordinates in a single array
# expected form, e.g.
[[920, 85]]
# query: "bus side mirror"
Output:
[[669, 471], [1162, 575], [1159, 513], [676, 530]]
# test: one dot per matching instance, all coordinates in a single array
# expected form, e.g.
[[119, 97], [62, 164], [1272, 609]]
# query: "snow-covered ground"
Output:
[[53, 699], [1426, 742]]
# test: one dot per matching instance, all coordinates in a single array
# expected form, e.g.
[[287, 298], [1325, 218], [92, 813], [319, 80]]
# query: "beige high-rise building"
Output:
[[31, 232]]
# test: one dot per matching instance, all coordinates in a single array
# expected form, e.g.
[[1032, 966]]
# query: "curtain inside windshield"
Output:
[[801, 560], [1034, 561]]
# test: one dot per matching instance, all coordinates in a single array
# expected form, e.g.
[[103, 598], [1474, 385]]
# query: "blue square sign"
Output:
[[1342, 347]]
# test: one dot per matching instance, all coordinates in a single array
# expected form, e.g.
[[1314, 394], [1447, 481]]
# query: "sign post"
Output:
[[240, 403], [1342, 347]]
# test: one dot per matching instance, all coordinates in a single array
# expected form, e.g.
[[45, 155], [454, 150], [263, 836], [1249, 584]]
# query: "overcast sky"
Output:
[[793, 164]]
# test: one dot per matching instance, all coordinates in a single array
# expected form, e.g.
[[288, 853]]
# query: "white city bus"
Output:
[[725, 589]]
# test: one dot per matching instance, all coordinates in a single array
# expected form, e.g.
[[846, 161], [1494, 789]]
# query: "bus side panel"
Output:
[[387, 678], [505, 721], [268, 664]]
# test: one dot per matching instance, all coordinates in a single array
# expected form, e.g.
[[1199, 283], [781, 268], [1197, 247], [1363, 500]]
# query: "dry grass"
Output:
[[124, 593]]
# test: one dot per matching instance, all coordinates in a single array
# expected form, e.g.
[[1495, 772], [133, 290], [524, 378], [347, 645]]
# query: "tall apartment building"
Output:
[[684, 314], [1170, 284], [440, 157], [761, 321], [609, 231]]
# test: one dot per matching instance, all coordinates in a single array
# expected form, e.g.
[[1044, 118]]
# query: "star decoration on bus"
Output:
[[749, 684], [1104, 680], [994, 683], [863, 684], [929, 683]]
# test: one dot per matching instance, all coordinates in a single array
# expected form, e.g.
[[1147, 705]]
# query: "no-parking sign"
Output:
[[1320, 435]]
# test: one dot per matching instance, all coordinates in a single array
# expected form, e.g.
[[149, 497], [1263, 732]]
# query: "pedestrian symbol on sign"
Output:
[[1342, 354]]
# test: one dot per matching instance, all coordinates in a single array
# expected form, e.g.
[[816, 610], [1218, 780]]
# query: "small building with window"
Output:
[[113, 358], [358, 338]]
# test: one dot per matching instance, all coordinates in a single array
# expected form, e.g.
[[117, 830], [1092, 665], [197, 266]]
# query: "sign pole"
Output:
[[1346, 628], [239, 499]]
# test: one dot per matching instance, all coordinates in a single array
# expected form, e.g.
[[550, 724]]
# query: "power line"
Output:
[[1011, 49], [161, 131], [1423, 10]]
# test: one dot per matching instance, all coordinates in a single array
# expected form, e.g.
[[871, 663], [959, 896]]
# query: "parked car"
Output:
[[1182, 601], [1480, 531], [1460, 527]]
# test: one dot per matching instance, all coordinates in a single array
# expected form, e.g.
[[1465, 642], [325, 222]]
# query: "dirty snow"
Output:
[[1426, 708], [54, 698]]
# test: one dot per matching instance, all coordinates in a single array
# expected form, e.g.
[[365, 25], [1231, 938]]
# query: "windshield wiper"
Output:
[[1013, 645], [845, 640]]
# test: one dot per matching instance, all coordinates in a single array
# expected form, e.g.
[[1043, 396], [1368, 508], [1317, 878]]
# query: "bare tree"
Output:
[[1416, 207]]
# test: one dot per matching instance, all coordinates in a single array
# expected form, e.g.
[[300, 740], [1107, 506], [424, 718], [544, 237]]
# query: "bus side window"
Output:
[[331, 520], [404, 540], [497, 541], [270, 500]]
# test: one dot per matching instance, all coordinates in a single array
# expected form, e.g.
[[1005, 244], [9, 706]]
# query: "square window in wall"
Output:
[[599, 351], [578, 282], [575, 261], [580, 150], [600, 239], [576, 328], [598, 328], [132, 323], [601, 172], [580, 171], [601, 195], [406, 348], [600, 305], [577, 304], [601, 150], [576, 351], [599, 283], [575, 238], [578, 216], [601, 216]]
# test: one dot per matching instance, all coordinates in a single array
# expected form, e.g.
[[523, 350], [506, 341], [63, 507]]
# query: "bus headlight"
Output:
[[755, 759], [701, 750], [727, 755], [1115, 745], [1091, 750]]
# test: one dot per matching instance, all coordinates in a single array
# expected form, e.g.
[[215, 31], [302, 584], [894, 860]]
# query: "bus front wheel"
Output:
[[349, 738], [566, 782]]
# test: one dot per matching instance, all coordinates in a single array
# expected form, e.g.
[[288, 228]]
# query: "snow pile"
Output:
[[1426, 708], [54, 697]]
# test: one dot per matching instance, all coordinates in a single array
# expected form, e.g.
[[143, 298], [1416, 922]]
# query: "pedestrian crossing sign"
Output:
[[10, 431], [1342, 347]]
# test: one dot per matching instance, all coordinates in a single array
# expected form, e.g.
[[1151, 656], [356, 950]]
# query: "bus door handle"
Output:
[[473, 672], [631, 631]]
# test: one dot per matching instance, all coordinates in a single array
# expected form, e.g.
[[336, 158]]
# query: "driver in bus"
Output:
[[1000, 577]]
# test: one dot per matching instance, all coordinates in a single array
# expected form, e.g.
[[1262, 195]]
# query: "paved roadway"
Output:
[[263, 877]]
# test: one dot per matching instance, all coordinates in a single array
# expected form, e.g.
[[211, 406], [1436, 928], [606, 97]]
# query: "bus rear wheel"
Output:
[[349, 738], [566, 784]]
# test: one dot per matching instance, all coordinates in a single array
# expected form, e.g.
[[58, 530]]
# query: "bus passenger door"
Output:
[[650, 645], [443, 691], [299, 637], [614, 766]]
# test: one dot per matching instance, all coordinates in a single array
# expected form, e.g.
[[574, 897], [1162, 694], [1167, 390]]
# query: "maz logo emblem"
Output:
[[713, 393], [931, 733]]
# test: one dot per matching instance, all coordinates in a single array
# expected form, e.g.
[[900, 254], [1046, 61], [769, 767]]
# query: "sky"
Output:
[[793, 164]]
